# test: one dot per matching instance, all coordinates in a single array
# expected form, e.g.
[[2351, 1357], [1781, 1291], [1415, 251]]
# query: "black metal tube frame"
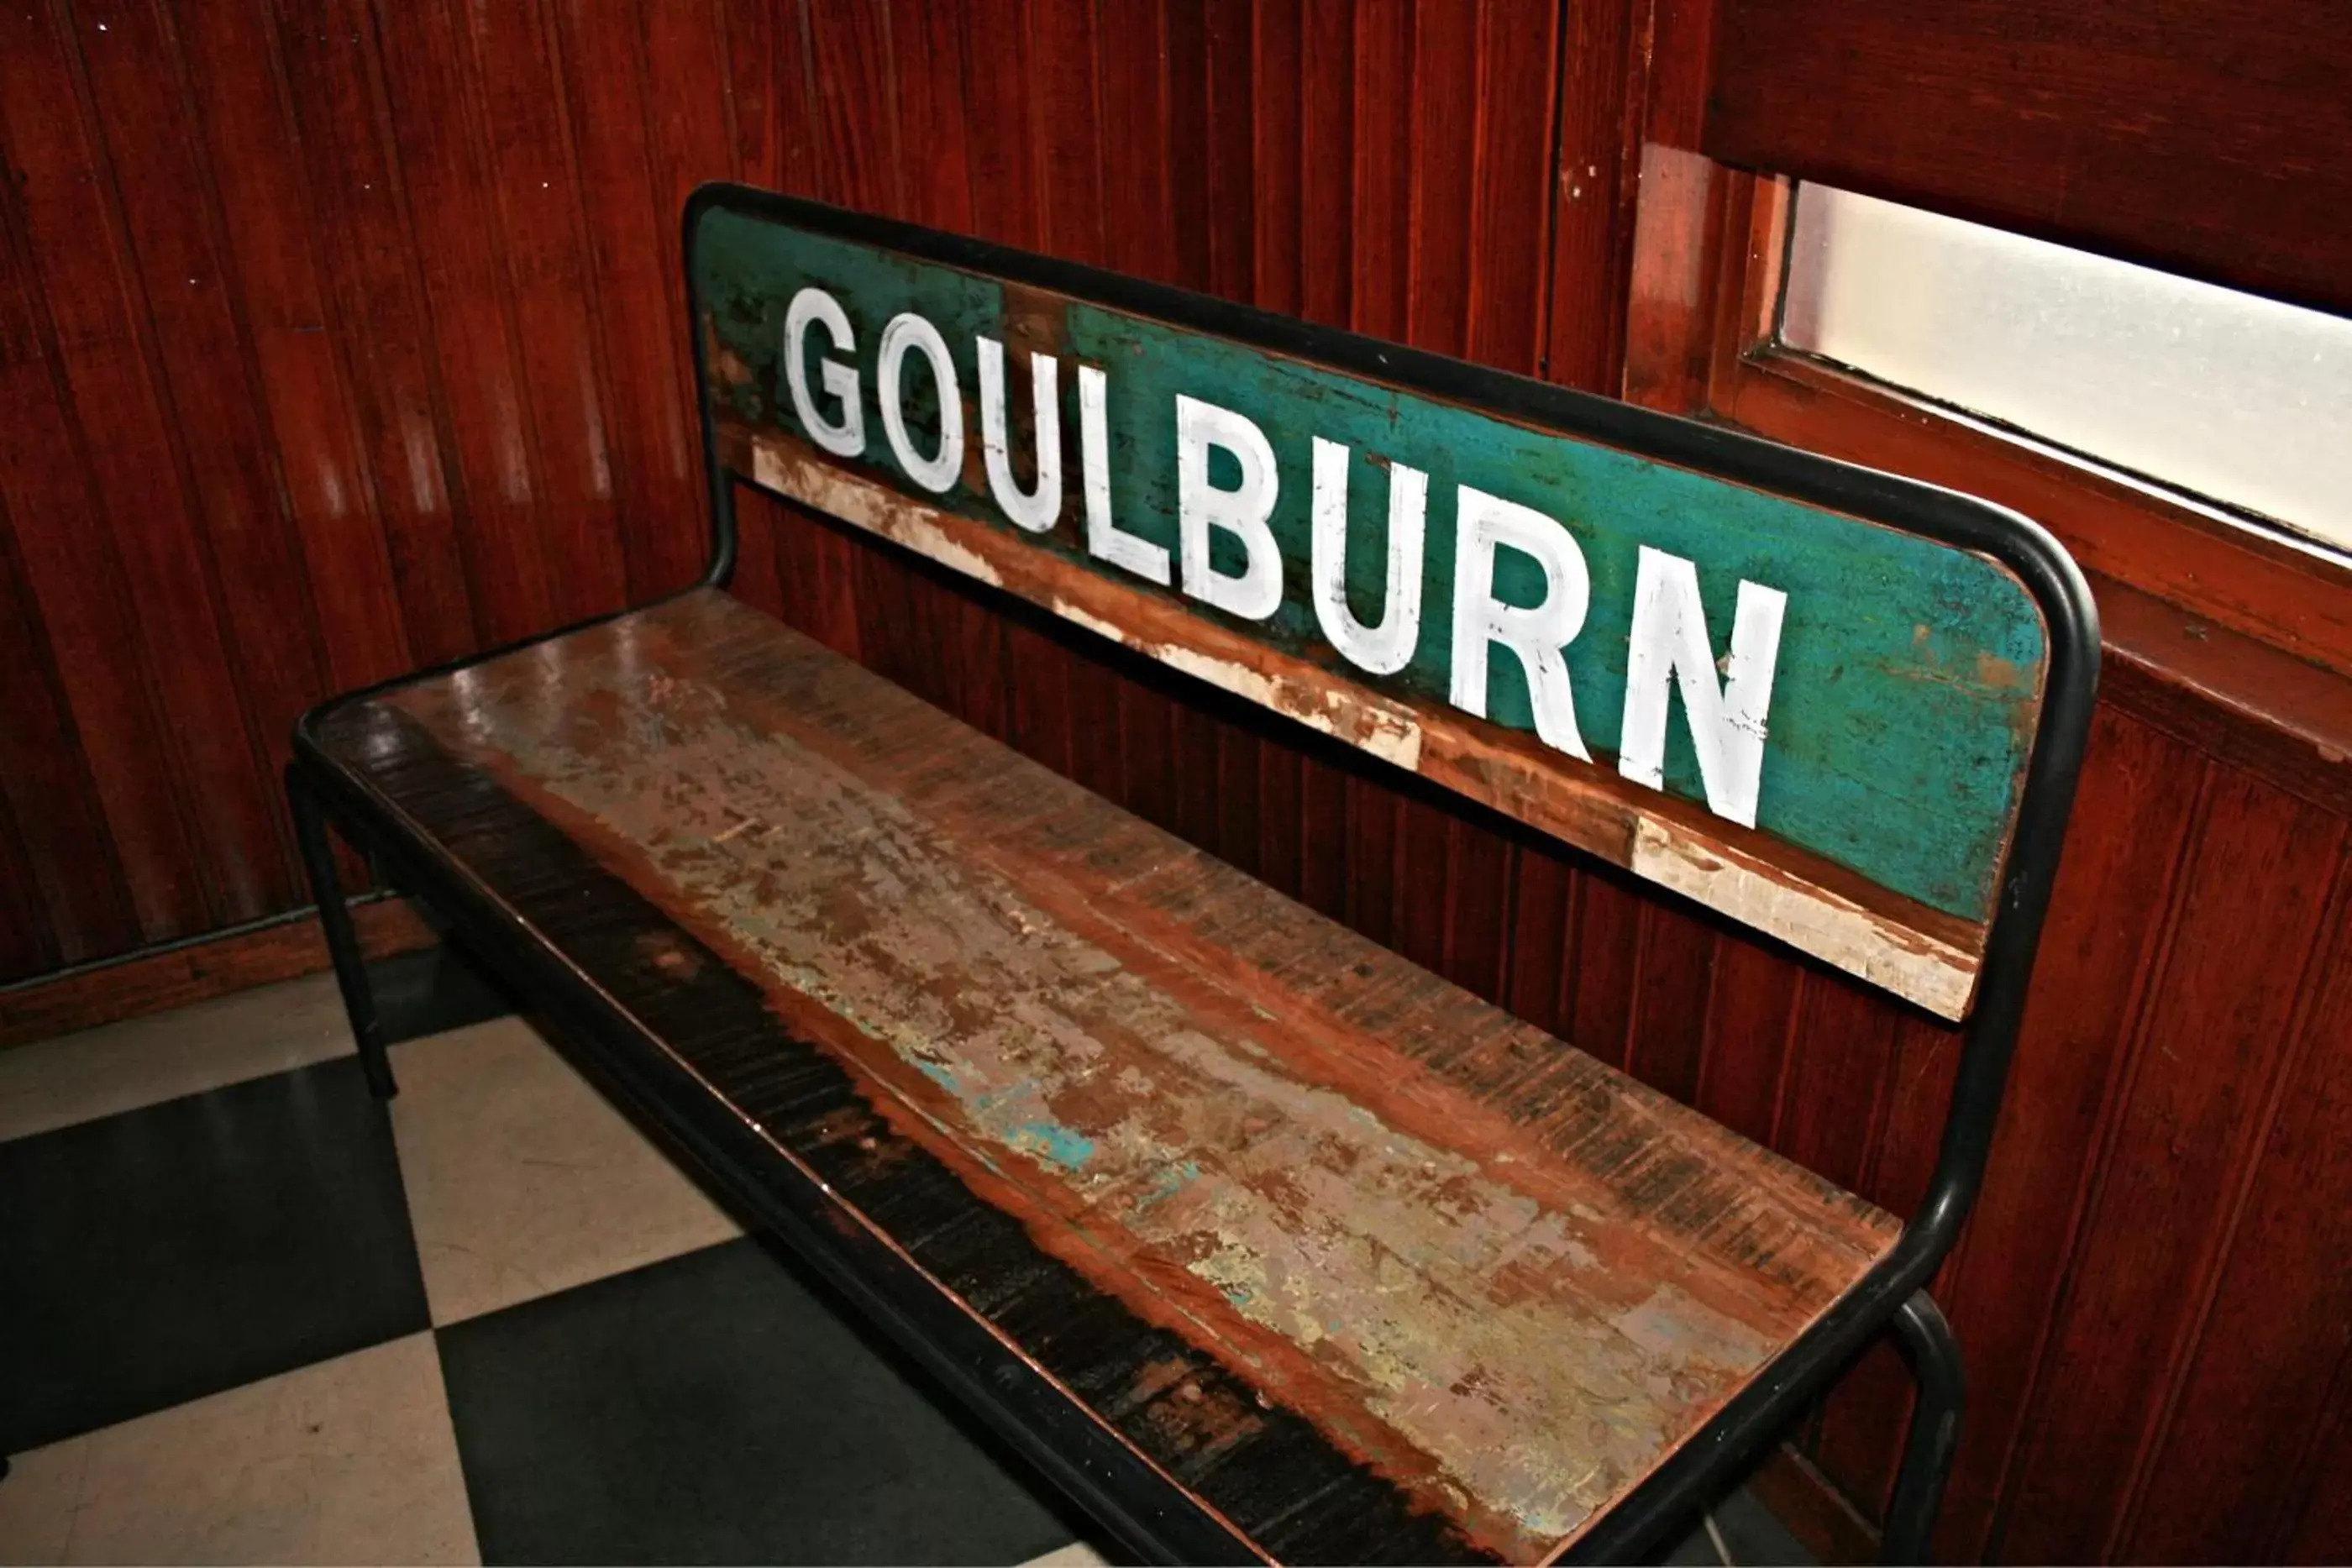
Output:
[[1892, 1293]]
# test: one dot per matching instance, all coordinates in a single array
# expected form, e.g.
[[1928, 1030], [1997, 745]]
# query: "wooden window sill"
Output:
[[2239, 642]]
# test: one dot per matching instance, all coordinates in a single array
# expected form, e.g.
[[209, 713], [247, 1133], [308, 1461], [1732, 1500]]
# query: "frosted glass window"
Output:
[[2239, 399]]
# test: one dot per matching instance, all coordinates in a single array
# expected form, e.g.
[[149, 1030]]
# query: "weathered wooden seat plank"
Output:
[[1496, 1278]]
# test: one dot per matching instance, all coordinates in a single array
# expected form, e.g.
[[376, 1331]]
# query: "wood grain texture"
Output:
[[184, 973], [1574, 927], [306, 156], [1444, 1238], [2183, 135], [2259, 881], [340, 339]]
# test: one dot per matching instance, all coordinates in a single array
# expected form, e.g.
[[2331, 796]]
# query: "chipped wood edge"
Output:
[[1934, 966]]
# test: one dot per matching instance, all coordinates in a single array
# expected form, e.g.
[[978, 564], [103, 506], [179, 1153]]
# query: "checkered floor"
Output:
[[250, 1315]]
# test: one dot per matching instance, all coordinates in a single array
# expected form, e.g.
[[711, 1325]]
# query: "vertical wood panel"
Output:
[[2261, 877], [177, 268], [438, 142], [2249, 1407], [2317, 1530], [863, 164], [1593, 186], [2107, 923], [533, 210], [349, 192], [1752, 1011], [354, 606], [653, 447], [997, 137], [66, 898], [1676, 978], [929, 84], [1443, 123], [1279, 262], [1607, 934], [1542, 958], [106, 853], [1510, 220], [71, 231], [1327, 161], [693, 126]]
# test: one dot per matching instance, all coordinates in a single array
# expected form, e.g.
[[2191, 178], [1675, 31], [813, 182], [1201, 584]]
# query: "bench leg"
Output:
[[1934, 1434], [342, 941]]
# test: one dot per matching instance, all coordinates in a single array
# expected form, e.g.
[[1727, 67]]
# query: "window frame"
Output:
[[1711, 247]]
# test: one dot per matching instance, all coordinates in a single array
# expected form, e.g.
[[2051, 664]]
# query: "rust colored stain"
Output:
[[1506, 1276]]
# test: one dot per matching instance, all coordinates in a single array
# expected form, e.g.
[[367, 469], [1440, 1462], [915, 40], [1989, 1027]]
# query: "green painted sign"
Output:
[[1862, 692]]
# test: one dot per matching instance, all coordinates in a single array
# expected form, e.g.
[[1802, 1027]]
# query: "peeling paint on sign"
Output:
[[1859, 693]]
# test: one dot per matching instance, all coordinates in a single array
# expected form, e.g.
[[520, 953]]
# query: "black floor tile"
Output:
[[177, 1250], [433, 989], [1754, 1536], [713, 1409]]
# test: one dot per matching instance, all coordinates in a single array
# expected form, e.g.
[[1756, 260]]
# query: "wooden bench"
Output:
[[1257, 1238]]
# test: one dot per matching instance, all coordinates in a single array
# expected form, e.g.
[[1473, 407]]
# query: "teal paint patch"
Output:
[[1051, 1140], [1907, 672]]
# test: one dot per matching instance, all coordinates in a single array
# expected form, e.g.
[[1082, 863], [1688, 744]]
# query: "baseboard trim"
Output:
[[156, 978]]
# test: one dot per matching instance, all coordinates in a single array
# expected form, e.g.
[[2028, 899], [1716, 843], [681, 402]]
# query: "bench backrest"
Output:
[[1827, 703]]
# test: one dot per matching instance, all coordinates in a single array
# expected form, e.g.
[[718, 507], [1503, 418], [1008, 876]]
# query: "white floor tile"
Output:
[[523, 1180], [142, 1061], [350, 1460], [1076, 1554]]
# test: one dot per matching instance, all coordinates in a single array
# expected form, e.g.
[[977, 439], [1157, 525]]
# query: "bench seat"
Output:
[[1354, 1263]]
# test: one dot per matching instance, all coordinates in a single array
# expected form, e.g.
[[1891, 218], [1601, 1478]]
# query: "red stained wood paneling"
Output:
[[1510, 226], [202, 352], [65, 897], [2186, 135], [1442, 125], [998, 141], [2316, 1529], [929, 84], [2239, 1434], [243, 142], [1592, 253], [430, 389], [1608, 946], [1678, 972], [1327, 144], [2217, 1025], [534, 208], [1752, 1011], [348, 198], [651, 452], [72, 586], [694, 132], [1539, 955], [110, 374], [434, 123], [2108, 922], [863, 163]]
